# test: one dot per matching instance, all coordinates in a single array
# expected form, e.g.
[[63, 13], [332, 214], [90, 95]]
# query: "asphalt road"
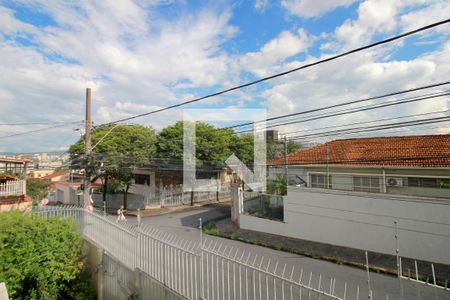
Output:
[[185, 225]]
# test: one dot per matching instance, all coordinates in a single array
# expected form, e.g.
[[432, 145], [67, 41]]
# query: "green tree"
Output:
[[121, 149], [277, 149], [213, 146], [242, 147], [40, 259], [277, 185], [37, 188]]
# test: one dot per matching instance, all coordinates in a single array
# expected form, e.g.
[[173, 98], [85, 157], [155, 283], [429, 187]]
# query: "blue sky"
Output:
[[145, 54]]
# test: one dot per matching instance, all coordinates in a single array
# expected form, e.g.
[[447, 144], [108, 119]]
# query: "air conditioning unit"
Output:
[[394, 181]]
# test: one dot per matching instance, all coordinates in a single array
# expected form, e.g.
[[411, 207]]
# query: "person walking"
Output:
[[121, 214]]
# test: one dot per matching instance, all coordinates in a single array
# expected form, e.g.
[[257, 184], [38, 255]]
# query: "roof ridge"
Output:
[[412, 150]]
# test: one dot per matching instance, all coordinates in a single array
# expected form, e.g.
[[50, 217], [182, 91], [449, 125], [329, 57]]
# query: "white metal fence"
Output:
[[175, 196], [12, 188], [205, 269], [197, 270], [152, 197]]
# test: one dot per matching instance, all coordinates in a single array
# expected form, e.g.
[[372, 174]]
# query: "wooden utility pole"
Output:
[[87, 151]]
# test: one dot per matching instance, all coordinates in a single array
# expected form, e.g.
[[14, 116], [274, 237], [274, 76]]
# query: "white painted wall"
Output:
[[364, 221], [66, 194], [141, 189]]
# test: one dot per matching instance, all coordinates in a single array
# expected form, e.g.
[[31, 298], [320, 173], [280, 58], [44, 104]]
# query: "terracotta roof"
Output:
[[15, 160], [53, 175], [407, 151]]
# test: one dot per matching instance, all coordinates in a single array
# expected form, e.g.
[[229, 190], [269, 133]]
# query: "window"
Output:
[[142, 179], [320, 181], [428, 182], [371, 184]]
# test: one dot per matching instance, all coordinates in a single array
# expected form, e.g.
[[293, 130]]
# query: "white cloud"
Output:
[[285, 45], [374, 16], [136, 60], [10, 25], [434, 12], [313, 8], [261, 4], [386, 17], [362, 76], [129, 56]]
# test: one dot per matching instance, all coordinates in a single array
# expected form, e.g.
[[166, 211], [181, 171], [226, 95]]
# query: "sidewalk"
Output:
[[381, 263]]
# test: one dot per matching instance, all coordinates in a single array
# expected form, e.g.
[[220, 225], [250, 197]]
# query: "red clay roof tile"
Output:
[[408, 151]]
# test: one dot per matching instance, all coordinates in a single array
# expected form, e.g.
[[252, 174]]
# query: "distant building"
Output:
[[12, 185], [271, 136]]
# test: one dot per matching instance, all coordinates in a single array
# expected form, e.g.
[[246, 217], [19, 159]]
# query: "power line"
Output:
[[393, 130], [34, 131], [388, 40], [368, 122], [374, 128], [344, 104], [38, 123], [352, 110], [349, 111]]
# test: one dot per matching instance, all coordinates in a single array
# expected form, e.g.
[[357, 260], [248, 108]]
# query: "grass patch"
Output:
[[254, 242], [210, 228], [233, 236], [278, 247]]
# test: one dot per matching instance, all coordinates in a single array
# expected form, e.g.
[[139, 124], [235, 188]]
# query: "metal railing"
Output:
[[195, 270], [207, 269], [12, 188]]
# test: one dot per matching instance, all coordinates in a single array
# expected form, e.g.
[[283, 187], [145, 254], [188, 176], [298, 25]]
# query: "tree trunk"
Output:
[[125, 197]]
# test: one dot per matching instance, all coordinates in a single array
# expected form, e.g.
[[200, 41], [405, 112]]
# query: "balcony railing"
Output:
[[13, 188]]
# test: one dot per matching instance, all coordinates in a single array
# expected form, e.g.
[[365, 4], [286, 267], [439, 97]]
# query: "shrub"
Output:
[[254, 241], [211, 228], [212, 231], [40, 259], [233, 236], [278, 247]]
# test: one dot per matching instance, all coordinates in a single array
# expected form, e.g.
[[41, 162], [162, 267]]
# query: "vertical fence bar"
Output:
[[368, 276], [434, 275]]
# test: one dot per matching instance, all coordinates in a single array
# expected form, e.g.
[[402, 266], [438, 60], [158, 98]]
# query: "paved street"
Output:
[[184, 225]]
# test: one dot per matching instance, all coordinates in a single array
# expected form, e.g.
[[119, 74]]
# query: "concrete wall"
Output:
[[364, 221]]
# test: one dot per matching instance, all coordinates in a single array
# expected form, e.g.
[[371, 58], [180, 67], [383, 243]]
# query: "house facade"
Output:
[[12, 184], [408, 165], [149, 181], [377, 194]]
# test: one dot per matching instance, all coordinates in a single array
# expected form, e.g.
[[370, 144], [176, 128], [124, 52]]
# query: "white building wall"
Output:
[[364, 221], [141, 189], [66, 194]]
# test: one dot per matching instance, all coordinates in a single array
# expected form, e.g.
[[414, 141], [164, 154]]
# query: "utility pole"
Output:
[[328, 167], [286, 159], [87, 151]]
